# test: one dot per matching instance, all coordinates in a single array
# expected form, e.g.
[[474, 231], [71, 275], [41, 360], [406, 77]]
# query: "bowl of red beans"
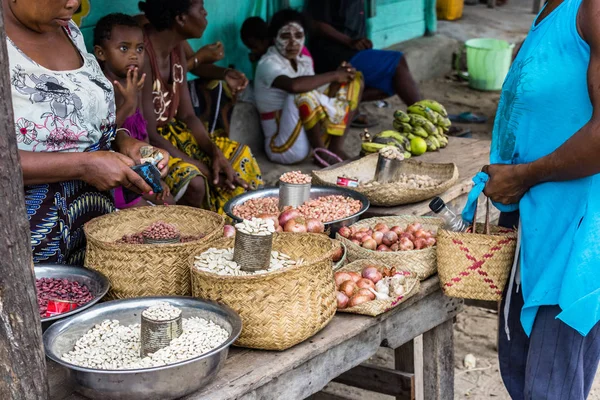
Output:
[[65, 290]]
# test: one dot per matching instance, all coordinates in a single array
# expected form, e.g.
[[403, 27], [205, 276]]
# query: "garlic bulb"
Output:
[[378, 295], [383, 286], [396, 285]]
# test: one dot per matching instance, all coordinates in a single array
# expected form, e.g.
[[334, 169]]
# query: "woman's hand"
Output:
[[223, 173], [132, 148], [165, 194], [211, 53], [236, 81], [507, 183], [107, 170]]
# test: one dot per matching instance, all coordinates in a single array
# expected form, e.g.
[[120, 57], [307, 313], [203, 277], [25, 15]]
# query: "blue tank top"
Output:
[[544, 102]]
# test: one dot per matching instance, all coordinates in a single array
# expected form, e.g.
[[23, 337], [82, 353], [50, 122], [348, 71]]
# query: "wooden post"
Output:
[[23, 366], [438, 362]]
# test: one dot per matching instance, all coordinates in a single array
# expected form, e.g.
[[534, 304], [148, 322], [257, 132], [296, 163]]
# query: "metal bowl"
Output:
[[159, 383], [315, 192], [97, 283]]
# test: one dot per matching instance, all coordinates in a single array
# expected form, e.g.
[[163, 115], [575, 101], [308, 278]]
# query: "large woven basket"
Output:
[[376, 307], [391, 194], [138, 270], [421, 262], [282, 308], [473, 265]]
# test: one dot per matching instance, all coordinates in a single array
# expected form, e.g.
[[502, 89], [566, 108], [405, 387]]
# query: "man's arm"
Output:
[[579, 156]]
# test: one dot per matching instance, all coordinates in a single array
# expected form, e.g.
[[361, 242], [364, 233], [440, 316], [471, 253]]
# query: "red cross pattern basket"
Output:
[[475, 265]]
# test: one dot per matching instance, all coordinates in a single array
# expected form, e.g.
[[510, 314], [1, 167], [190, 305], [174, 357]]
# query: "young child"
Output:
[[119, 48]]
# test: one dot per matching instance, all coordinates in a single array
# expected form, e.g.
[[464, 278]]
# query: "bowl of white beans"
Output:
[[100, 348]]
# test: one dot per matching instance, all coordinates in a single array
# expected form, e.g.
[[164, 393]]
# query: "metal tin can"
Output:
[[387, 169], [156, 335], [293, 195], [56, 306], [252, 252], [347, 182]]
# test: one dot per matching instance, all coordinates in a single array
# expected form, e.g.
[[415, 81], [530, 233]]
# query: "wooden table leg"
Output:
[[404, 358], [438, 362]]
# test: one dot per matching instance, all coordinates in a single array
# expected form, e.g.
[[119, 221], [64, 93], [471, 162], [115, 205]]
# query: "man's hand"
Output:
[[507, 183], [362, 44], [345, 73]]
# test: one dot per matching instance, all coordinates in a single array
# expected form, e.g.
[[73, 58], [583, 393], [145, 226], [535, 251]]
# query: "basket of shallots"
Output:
[[405, 241], [372, 288]]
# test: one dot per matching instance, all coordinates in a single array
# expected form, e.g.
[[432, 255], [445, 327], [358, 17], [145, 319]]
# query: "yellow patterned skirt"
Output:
[[181, 173]]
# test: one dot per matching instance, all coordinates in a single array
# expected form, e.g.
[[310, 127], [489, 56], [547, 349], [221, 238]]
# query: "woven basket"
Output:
[[138, 270], [473, 265], [376, 307], [282, 308], [342, 262], [421, 262], [391, 194]]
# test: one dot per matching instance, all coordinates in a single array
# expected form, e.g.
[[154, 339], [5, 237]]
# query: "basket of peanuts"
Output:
[[144, 251], [297, 206]]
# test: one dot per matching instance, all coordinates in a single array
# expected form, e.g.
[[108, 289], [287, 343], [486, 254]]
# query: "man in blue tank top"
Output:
[[545, 161]]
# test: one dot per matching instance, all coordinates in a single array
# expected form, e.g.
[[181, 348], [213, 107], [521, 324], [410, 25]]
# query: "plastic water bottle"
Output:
[[452, 221]]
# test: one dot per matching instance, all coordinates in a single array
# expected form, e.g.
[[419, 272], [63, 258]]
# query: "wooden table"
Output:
[[337, 352]]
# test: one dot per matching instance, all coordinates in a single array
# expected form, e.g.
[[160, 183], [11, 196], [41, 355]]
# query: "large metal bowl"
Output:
[[315, 192], [158, 383], [97, 283]]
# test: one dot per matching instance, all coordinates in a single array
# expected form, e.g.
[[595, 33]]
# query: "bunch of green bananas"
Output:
[[421, 128]]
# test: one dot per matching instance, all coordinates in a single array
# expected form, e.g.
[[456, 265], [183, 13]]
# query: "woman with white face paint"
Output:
[[300, 110]]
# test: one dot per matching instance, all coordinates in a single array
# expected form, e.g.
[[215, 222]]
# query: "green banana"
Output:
[[424, 112], [435, 106], [419, 121], [430, 145], [398, 126], [370, 147], [445, 123], [435, 141], [417, 130], [443, 142], [440, 131], [391, 134], [407, 155], [411, 136], [401, 116]]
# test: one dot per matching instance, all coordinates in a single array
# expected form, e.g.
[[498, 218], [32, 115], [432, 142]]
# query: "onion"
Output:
[[365, 283], [342, 300], [372, 274], [348, 288], [420, 244], [397, 230], [359, 235], [395, 247], [365, 292], [389, 238], [422, 234], [356, 242], [287, 215], [279, 229], [345, 232], [272, 217], [430, 242], [378, 237], [228, 231], [412, 228], [294, 226], [406, 245], [381, 227], [337, 254], [315, 226], [365, 229], [354, 276], [408, 235], [365, 238], [383, 247], [341, 277], [369, 244], [358, 299]]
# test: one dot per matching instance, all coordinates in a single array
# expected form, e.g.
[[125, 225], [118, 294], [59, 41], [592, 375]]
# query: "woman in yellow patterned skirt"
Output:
[[204, 171]]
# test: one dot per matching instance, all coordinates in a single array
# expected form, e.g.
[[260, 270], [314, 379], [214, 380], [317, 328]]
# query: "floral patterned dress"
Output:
[[62, 111]]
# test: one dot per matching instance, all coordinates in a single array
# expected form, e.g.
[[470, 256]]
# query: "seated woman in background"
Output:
[[65, 126], [207, 171], [299, 109], [119, 48]]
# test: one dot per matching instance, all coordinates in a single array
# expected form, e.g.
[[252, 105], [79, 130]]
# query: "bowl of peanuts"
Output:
[[334, 206]]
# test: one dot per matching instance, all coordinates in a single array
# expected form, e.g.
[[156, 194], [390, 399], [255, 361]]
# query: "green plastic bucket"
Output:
[[488, 61]]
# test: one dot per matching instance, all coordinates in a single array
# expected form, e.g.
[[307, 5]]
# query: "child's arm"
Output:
[[303, 84]]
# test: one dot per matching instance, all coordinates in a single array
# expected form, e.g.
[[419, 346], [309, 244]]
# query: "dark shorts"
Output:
[[378, 68]]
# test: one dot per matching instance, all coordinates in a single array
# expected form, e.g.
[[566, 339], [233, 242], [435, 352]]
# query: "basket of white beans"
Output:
[[280, 306]]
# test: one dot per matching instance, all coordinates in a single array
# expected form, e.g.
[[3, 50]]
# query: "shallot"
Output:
[[314, 226], [370, 244], [228, 231], [378, 237], [345, 232], [397, 230], [295, 226], [342, 300], [420, 243], [341, 277], [366, 292], [383, 247], [405, 244], [381, 227], [372, 274], [354, 276], [287, 215], [348, 288], [365, 283], [389, 238], [357, 300]]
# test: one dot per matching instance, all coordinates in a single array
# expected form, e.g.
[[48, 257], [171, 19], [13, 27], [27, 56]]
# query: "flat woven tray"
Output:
[[376, 307], [391, 194]]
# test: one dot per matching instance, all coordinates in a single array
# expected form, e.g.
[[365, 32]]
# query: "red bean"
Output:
[[60, 289]]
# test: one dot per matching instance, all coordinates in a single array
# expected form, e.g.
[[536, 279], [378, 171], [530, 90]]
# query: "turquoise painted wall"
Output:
[[389, 22]]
